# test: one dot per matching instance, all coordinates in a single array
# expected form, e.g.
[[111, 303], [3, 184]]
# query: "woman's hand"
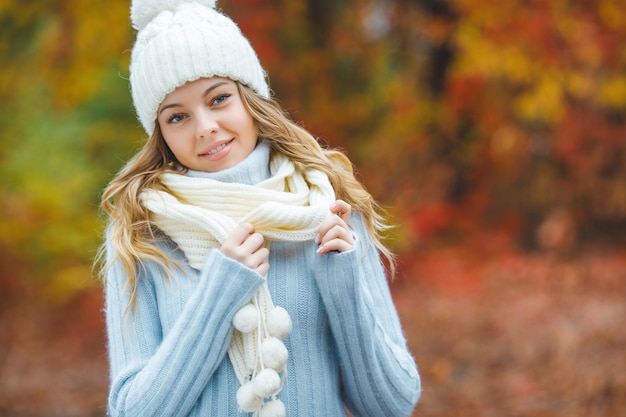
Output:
[[334, 233], [246, 246]]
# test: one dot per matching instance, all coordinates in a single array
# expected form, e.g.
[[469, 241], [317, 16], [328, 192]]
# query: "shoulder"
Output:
[[158, 250]]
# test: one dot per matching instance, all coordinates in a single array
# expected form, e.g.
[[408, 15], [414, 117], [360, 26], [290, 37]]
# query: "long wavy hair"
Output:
[[133, 236]]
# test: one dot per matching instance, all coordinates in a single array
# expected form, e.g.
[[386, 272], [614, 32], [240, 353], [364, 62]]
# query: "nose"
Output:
[[206, 124]]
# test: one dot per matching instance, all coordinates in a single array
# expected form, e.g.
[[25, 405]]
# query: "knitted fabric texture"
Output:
[[199, 215], [289, 206], [179, 41]]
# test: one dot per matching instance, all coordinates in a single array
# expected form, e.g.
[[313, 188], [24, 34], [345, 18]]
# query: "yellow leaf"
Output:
[[613, 93]]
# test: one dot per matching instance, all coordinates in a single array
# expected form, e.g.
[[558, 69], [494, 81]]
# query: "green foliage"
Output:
[[67, 125], [57, 162]]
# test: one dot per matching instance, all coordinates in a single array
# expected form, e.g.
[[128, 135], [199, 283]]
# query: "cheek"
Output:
[[169, 142], [176, 145], [254, 131], [245, 122], [251, 127]]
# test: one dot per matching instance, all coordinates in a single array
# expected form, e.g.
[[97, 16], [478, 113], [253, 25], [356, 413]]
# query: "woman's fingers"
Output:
[[337, 238], [342, 218], [334, 233], [341, 209], [247, 246], [239, 234]]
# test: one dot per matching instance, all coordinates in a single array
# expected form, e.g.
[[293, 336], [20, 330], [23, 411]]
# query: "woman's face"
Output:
[[206, 125]]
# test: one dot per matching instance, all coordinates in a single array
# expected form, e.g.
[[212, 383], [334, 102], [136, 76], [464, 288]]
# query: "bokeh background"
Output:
[[493, 131]]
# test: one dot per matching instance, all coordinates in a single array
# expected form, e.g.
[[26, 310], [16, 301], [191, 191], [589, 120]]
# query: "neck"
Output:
[[252, 170]]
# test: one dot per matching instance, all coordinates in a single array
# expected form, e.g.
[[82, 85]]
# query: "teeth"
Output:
[[219, 148]]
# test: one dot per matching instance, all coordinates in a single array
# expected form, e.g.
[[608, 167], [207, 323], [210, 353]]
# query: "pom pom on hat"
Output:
[[143, 11]]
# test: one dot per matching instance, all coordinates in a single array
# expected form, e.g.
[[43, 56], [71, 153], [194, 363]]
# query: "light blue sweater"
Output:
[[168, 358]]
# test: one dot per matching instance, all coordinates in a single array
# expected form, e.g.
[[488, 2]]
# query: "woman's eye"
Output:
[[220, 99], [175, 118]]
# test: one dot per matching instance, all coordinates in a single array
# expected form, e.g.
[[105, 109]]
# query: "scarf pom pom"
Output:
[[247, 400], [274, 408], [274, 353], [266, 383], [279, 323], [246, 319]]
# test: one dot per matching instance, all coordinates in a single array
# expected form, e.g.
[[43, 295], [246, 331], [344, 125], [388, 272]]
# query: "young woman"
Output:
[[243, 269]]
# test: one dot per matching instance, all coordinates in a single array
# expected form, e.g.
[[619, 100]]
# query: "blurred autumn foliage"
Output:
[[493, 131]]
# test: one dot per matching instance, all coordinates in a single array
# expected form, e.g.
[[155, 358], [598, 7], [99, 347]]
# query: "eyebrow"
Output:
[[206, 93]]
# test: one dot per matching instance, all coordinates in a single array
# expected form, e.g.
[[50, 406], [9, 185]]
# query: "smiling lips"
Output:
[[218, 148]]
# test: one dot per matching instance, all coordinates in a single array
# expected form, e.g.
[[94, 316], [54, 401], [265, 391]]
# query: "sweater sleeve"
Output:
[[157, 375], [379, 375]]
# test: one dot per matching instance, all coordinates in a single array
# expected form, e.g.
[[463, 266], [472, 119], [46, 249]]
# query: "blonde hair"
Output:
[[134, 237]]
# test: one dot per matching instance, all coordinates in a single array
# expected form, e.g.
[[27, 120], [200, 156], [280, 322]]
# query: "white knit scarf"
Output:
[[199, 215]]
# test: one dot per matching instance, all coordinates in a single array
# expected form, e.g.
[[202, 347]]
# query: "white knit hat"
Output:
[[180, 41]]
